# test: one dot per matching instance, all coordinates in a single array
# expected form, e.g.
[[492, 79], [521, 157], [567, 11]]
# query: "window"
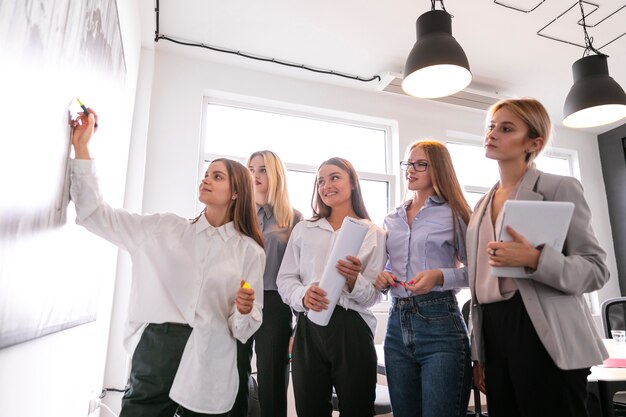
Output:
[[303, 141]]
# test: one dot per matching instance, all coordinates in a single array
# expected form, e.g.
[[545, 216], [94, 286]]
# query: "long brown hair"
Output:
[[445, 183], [321, 210], [277, 194], [242, 209]]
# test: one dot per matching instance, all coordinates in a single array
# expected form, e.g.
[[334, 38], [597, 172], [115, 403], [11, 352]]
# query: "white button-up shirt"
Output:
[[309, 246], [183, 273]]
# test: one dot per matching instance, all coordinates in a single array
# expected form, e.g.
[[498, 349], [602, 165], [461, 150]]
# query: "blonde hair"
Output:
[[533, 114], [321, 210], [445, 183], [277, 192]]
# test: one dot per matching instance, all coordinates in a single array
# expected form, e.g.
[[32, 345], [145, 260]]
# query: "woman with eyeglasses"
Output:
[[532, 337], [189, 298], [427, 354], [341, 354]]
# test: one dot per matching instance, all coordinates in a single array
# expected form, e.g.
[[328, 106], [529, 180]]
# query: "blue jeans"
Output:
[[427, 357]]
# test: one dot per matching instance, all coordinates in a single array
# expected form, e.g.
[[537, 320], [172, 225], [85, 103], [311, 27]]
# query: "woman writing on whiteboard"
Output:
[[276, 218], [341, 354], [187, 289], [427, 355], [531, 337]]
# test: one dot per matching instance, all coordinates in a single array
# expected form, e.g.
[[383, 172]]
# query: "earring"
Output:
[[234, 197]]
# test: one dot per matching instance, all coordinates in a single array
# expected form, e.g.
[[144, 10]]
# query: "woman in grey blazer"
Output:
[[532, 338]]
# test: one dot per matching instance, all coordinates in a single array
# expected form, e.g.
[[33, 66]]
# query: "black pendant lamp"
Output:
[[595, 99], [437, 65]]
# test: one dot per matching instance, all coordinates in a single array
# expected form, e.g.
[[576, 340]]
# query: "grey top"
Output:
[[276, 239]]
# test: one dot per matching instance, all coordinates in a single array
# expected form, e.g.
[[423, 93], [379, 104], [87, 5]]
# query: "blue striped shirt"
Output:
[[427, 244]]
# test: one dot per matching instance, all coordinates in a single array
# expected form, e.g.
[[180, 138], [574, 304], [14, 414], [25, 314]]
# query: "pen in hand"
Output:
[[86, 110]]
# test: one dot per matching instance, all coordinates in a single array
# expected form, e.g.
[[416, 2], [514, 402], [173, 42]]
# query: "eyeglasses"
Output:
[[419, 166]]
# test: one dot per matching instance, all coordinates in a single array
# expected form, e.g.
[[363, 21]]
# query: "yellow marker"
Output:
[[246, 285]]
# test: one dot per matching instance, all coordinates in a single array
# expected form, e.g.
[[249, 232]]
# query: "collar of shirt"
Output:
[[267, 210], [433, 200], [321, 223], [226, 231]]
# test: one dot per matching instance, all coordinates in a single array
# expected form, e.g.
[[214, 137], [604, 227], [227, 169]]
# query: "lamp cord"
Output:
[[432, 5], [588, 39], [272, 60], [158, 36]]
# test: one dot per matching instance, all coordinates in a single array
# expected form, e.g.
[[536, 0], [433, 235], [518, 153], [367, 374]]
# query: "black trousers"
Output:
[[271, 344], [520, 377], [342, 355], [154, 365], [183, 412], [244, 356]]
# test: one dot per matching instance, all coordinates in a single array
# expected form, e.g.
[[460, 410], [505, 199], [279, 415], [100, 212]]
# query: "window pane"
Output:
[[376, 196], [472, 198], [553, 164], [471, 166], [239, 132], [300, 185]]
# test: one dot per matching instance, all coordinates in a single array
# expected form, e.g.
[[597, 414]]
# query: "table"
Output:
[[610, 380]]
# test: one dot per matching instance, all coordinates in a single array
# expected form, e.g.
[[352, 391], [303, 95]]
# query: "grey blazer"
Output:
[[553, 295]]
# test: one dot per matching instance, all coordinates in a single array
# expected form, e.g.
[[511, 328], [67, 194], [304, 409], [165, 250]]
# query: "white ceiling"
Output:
[[366, 38]]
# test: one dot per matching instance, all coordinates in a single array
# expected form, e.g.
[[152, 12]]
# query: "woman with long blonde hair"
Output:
[[427, 356], [276, 219]]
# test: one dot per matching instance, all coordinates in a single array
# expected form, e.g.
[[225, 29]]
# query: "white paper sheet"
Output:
[[347, 243]]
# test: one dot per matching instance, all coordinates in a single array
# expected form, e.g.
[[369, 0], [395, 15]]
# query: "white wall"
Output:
[[56, 375]]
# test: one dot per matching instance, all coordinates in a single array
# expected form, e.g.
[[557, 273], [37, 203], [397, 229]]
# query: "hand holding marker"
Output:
[[245, 297], [86, 110]]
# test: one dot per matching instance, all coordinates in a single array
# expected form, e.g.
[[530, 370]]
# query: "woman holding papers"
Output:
[[340, 354], [276, 218], [188, 301], [427, 355], [532, 337]]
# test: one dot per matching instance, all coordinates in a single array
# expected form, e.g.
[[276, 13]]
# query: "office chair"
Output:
[[613, 317], [465, 310]]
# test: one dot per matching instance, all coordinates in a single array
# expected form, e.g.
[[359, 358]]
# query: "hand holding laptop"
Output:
[[525, 226], [518, 251]]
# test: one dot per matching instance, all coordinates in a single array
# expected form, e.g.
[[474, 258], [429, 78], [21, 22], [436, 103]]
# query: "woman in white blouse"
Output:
[[188, 301], [341, 354]]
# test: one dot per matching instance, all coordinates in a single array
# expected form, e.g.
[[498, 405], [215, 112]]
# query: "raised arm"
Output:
[[123, 229]]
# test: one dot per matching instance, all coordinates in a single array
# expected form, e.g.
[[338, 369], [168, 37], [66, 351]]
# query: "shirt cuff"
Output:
[[360, 288], [83, 166]]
